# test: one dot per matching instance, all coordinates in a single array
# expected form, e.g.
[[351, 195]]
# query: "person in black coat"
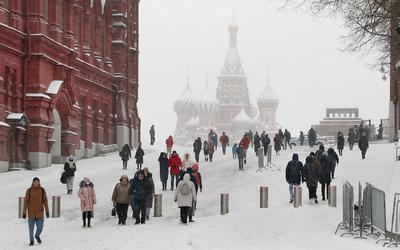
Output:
[[257, 143], [266, 141], [139, 157], [197, 148], [325, 178], [334, 158], [312, 171], [340, 142], [277, 143], [69, 169], [140, 189], [152, 132], [363, 144], [294, 174], [125, 154], [163, 160], [287, 136]]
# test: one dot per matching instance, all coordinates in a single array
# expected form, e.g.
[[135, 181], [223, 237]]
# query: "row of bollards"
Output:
[[297, 202], [55, 210]]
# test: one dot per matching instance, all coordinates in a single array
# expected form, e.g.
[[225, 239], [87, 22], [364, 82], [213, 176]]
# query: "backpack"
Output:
[[63, 178], [184, 189]]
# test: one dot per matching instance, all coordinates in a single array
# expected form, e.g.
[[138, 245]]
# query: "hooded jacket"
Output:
[[36, 202], [163, 160], [87, 195], [294, 170], [185, 200], [174, 164]]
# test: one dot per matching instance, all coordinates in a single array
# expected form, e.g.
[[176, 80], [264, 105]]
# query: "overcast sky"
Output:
[[309, 72]]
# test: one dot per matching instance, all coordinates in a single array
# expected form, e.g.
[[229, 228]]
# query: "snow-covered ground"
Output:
[[246, 226]]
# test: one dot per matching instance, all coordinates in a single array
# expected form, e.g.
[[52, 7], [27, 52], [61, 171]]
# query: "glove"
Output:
[[24, 216], [47, 214]]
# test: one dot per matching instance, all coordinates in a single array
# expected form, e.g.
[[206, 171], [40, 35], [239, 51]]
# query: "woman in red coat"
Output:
[[170, 143], [174, 163], [245, 143]]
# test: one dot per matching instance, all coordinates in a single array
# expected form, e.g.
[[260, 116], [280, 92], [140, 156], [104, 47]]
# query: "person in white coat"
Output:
[[186, 163], [185, 195]]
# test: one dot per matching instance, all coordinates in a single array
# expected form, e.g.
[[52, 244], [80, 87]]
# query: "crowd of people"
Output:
[[185, 178]]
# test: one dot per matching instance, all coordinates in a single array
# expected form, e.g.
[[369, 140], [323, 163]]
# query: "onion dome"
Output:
[[207, 103], [193, 122], [242, 119], [186, 103]]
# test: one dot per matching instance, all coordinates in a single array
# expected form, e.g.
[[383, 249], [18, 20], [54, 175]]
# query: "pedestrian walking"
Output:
[[224, 139], [205, 150], [163, 161], [241, 155], [294, 174], [351, 138], [140, 189], [197, 148], [125, 155], [250, 137], [185, 196], [334, 159], [149, 201], [170, 143], [87, 196], [266, 141], [257, 143], [277, 144], [69, 169], [174, 164], [186, 162], [35, 204], [287, 136], [340, 143], [120, 199], [326, 169], [214, 140], [139, 156], [312, 171], [211, 149], [246, 141], [152, 132], [363, 144], [234, 150], [301, 137]]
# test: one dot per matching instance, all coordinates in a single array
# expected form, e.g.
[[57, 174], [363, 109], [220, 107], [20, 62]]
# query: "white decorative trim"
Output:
[[69, 132], [40, 125], [38, 95]]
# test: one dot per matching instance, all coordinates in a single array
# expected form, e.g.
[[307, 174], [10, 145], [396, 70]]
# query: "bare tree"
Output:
[[369, 22]]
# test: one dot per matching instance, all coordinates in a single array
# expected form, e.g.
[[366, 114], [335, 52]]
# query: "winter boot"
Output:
[[137, 221], [31, 243], [88, 222], [142, 220], [38, 239], [84, 223], [291, 200], [316, 201]]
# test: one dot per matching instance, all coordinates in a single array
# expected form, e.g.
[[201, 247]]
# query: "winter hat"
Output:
[[122, 177], [195, 167], [86, 179], [321, 147], [295, 157], [174, 152], [71, 158], [35, 179]]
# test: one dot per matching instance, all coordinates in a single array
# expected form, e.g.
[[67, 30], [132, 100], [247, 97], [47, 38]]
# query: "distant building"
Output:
[[68, 79], [231, 110], [338, 119]]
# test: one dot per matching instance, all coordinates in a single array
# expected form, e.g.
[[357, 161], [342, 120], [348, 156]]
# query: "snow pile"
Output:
[[245, 227]]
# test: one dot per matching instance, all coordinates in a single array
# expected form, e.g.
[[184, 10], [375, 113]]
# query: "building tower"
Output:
[[232, 92], [207, 108], [184, 108], [267, 105]]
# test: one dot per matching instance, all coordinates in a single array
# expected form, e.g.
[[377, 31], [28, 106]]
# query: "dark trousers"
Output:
[[323, 185], [87, 215], [184, 214], [351, 144], [312, 192], [197, 156], [152, 140], [205, 157], [223, 149], [139, 166], [363, 152], [265, 150], [164, 184], [122, 211], [140, 211], [240, 163], [340, 151], [211, 157], [333, 171], [174, 178], [124, 164]]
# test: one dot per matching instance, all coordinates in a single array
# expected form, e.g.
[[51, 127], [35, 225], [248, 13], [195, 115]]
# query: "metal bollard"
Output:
[[264, 197], [21, 211], [224, 203], [157, 205], [332, 196], [297, 197], [56, 207]]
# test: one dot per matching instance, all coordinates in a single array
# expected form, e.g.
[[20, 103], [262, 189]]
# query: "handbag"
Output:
[[114, 211], [63, 178]]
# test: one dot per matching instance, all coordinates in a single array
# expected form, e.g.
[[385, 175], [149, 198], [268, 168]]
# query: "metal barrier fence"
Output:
[[21, 211], [394, 237], [348, 200]]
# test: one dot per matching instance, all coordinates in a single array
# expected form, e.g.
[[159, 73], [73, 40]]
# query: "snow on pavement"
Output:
[[245, 227]]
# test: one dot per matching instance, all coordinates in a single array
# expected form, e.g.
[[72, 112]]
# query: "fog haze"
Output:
[[308, 70]]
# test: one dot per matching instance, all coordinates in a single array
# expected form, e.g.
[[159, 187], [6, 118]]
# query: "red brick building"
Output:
[[68, 79]]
